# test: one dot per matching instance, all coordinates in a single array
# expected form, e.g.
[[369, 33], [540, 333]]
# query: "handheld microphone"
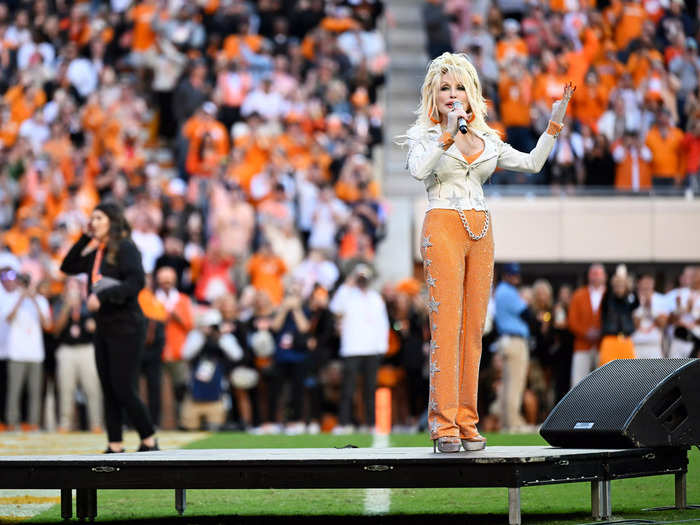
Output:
[[461, 123]]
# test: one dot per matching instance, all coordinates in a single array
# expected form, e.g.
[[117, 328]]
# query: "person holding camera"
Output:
[[364, 339], [27, 314], [115, 278], [290, 327], [73, 328], [210, 353]]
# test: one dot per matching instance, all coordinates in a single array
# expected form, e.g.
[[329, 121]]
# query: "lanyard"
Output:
[[95, 275]]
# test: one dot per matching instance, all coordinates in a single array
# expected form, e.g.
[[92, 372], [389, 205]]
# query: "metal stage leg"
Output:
[[66, 504], [81, 503], [180, 501], [92, 504], [85, 504], [606, 499], [601, 504], [514, 506], [595, 500], [681, 493]]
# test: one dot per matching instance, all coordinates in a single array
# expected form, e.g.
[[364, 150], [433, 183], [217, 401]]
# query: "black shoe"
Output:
[[110, 451], [146, 448]]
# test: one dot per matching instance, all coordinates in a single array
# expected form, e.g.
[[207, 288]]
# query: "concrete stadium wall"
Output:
[[581, 229]]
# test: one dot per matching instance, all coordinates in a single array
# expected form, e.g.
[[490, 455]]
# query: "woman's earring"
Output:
[[470, 117], [432, 119]]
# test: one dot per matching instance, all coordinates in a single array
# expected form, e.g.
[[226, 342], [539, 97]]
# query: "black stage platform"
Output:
[[509, 467]]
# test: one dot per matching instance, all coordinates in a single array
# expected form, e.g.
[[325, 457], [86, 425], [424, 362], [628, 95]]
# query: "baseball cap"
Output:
[[511, 268]]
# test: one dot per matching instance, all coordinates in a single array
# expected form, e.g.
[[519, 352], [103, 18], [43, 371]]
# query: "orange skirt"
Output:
[[615, 347]]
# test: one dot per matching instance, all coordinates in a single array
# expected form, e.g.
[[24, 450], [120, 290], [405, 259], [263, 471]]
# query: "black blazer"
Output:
[[120, 301]]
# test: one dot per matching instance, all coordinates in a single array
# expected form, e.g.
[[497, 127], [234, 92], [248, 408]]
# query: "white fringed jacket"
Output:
[[453, 183]]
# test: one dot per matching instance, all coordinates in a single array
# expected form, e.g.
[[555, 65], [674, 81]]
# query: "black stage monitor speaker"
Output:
[[630, 403]]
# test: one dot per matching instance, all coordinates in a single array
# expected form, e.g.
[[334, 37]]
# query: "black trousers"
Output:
[[152, 369], [118, 351], [417, 391], [293, 373], [367, 365], [166, 120]]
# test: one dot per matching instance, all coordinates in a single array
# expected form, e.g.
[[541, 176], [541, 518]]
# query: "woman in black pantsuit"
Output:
[[107, 251]]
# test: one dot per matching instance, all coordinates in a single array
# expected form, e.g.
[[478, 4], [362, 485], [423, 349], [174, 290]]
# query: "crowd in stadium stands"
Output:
[[239, 137], [634, 123], [570, 334]]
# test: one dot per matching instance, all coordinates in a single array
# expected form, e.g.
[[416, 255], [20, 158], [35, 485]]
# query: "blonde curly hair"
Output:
[[464, 71]]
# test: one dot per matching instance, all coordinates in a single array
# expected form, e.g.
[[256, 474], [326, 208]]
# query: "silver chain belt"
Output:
[[469, 230]]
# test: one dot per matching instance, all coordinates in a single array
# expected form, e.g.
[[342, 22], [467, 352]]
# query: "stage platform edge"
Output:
[[398, 467]]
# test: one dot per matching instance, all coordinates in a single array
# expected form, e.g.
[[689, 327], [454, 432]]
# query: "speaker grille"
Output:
[[605, 398]]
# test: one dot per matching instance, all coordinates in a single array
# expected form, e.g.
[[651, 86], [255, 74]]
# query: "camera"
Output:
[[8, 275]]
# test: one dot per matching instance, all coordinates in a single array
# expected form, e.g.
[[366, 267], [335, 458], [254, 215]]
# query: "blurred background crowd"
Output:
[[241, 138], [634, 123]]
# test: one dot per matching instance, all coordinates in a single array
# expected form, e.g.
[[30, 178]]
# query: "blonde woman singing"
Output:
[[453, 151]]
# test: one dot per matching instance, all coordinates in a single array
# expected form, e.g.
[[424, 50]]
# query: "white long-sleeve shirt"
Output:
[[453, 183], [364, 323]]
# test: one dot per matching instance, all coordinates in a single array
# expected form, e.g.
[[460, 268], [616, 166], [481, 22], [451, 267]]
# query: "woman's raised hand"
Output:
[[559, 107]]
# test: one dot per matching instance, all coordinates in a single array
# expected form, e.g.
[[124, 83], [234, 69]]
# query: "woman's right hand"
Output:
[[452, 118], [87, 229]]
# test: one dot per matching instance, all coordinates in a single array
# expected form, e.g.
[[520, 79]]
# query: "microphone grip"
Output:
[[462, 125]]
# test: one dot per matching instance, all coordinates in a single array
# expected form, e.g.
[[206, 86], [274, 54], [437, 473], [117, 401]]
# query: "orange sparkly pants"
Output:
[[459, 272]]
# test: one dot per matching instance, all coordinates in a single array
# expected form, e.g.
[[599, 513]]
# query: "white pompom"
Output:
[[262, 343], [244, 377]]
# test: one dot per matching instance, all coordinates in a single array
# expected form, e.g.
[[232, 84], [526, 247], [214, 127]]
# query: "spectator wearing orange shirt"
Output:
[[608, 66], [511, 45], [143, 15], [515, 93], [584, 323], [632, 158], [242, 38], [202, 123], [266, 271], [665, 142], [24, 99], [26, 226], [629, 20], [204, 161], [179, 322], [549, 84], [591, 102]]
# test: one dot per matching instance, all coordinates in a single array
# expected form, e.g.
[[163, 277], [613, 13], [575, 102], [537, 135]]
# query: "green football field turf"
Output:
[[557, 504]]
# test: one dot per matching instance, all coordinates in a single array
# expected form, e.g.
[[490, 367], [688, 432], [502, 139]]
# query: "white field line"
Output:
[[378, 501]]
